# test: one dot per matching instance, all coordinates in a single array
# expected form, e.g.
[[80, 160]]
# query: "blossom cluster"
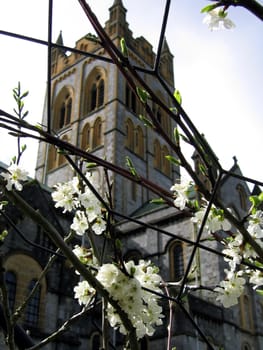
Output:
[[14, 176], [127, 288], [73, 197], [235, 250], [217, 19]]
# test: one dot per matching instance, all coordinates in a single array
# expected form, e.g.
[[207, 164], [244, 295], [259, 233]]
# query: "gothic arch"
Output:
[[176, 260], [55, 158], [86, 137], [94, 90], [62, 111], [139, 141], [129, 135], [25, 278], [166, 166], [157, 155], [97, 133]]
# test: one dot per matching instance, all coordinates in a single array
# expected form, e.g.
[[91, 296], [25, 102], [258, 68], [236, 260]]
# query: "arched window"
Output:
[[62, 109], [32, 309], [242, 196], [52, 157], [246, 318], [94, 90], [157, 155], [130, 99], [129, 135], [95, 341], [56, 157], [176, 261], [97, 133], [246, 346], [10, 279], [61, 158], [139, 141], [86, 137], [166, 166]]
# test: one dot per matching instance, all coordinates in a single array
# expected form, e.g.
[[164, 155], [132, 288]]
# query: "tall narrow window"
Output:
[[139, 141], [129, 135], [242, 196], [63, 111], [61, 157], [32, 310], [176, 261], [52, 157], [166, 166], [95, 342], [97, 133], [130, 99], [95, 91], [85, 140], [157, 155], [10, 279]]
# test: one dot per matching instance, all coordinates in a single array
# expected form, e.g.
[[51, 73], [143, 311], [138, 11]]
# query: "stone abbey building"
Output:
[[93, 108]]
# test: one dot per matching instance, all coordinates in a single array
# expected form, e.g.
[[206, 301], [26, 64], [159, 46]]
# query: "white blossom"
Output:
[[14, 176], [141, 306], [181, 193], [80, 223], [230, 289], [217, 19], [65, 195], [99, 225], [256, 278], [84, 292], [214, 222]]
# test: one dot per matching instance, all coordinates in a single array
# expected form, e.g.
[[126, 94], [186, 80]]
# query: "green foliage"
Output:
[[19, 96], [91, 165], [209, 8], [256, 202], [3, 235], [173, 160], [146, 121], [157, 201], [124, 48], [177, 137], [143, 94], [131, 167], [178, 96]]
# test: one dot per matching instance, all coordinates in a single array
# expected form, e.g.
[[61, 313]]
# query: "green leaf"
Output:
[[91, 165], [124, 48], [157, 201], [24, 95], [131, 167], [209, 7], [146, 122], [143, 94], [177, 136], [260, 291], [178, 96], [173, 160], [3, 235]]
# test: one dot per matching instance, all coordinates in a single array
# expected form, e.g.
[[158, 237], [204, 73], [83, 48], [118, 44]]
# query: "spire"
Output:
[[117, 2], [117, 25], [165, 48], [60, 39]]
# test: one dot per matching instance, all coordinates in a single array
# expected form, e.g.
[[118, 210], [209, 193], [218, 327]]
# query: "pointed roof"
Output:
[[60, 39], [165, 47], [117, 2]]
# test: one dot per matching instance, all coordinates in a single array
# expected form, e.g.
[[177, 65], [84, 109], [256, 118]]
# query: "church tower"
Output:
[[93, 108]]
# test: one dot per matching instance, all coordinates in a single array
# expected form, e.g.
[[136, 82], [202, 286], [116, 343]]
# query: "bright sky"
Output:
[[219, 74]]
